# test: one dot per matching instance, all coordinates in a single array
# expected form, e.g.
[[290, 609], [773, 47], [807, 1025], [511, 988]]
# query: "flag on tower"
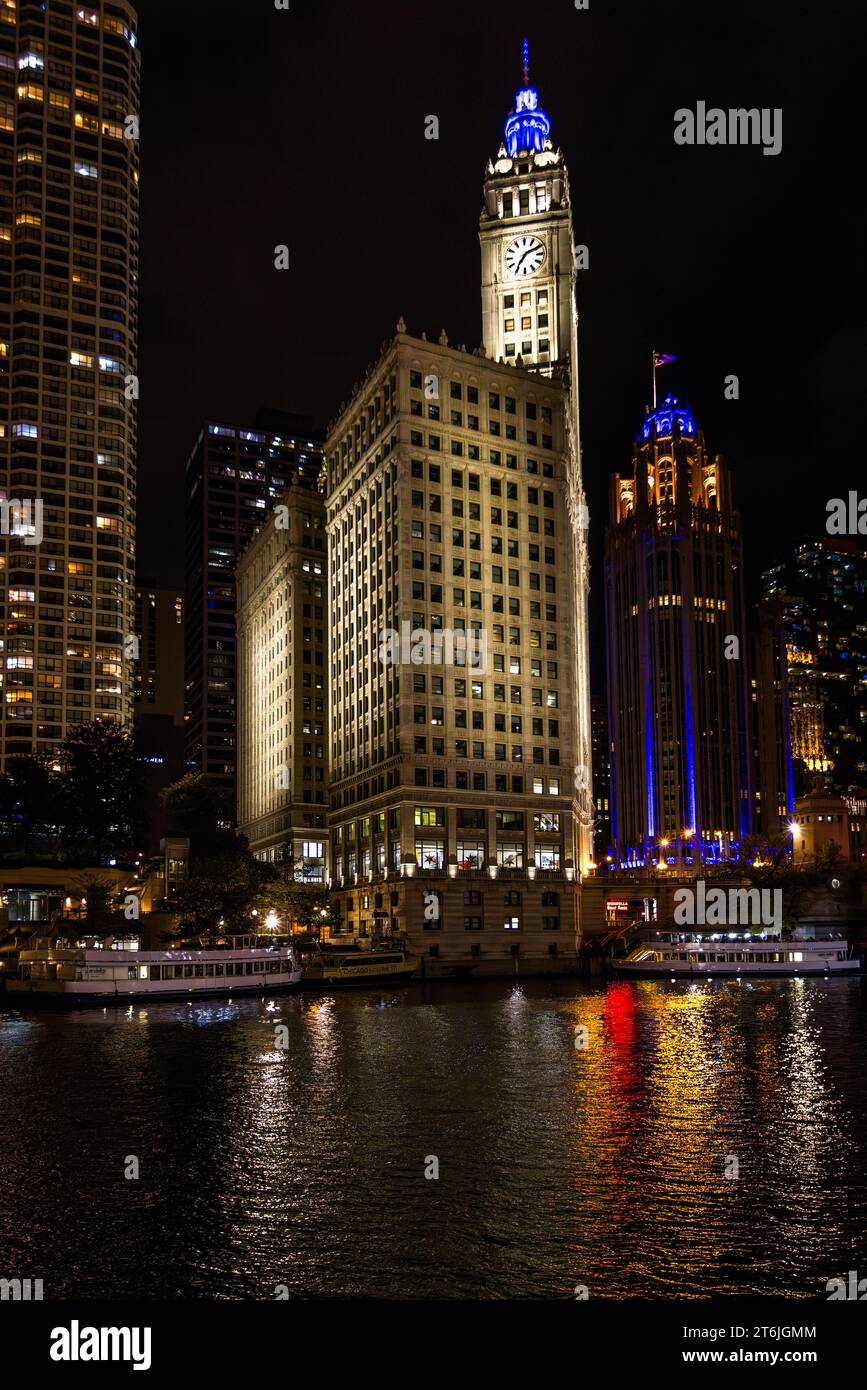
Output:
[[659, 359]]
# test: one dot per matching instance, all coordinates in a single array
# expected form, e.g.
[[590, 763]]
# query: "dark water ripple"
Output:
[[304, 1167]]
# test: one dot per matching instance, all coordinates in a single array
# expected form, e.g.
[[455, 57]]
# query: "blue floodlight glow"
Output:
[[648, 749], [527, 127], [666, 415], [690, 758]]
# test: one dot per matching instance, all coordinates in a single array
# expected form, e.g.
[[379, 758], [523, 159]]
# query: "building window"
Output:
[[470, 854], [510, 854], [429, 854]]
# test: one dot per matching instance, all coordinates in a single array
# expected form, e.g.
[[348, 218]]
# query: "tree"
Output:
[[766, 863], [218, 896], [198, 810], [100, 918], [100, 795], [29, 807], [297, 905]]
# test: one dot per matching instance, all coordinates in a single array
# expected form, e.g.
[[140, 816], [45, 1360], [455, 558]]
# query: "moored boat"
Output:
[[691, 954], [79, 975], [346, 969]]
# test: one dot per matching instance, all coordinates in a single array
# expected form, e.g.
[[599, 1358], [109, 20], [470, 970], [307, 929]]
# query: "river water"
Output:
[[709, 1139]]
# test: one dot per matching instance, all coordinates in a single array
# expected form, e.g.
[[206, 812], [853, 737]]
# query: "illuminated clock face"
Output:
[[524, 255]]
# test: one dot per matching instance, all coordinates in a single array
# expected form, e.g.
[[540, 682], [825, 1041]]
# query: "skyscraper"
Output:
[[530, 269], [822, 591], [158, 717], [459, 691], [159, 666], [451, 692], [772, 780], [282, 619], [601, 748], [69, 174], [233, 476], [677, 653]]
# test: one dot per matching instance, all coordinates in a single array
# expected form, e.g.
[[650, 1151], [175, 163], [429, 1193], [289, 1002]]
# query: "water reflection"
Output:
[[702, 1142]]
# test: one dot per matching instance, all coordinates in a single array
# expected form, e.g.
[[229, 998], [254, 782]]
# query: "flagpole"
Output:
[[653, 368]]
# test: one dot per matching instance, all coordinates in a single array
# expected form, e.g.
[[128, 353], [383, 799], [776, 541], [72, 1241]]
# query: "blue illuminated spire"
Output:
[[664, 418], [527, 126]]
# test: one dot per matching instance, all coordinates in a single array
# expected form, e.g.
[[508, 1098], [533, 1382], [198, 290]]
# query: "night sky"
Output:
[[306, 128]]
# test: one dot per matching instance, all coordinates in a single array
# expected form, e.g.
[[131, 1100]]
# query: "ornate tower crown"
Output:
[[527, 127], [664, 418]]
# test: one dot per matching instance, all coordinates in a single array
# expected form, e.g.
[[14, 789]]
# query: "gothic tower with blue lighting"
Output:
[[678, 660], [529, 320]]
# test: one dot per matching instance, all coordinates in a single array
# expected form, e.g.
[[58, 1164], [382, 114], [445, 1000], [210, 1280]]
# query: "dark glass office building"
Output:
[[822, 590], [233, 475]]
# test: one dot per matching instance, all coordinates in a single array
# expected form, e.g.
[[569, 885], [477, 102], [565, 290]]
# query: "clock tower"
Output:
[[529, 320], [528, 251]]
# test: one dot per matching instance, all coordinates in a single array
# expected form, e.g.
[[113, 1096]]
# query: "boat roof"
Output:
[[174, 954]]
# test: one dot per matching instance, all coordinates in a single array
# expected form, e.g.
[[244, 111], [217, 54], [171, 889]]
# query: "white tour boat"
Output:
[[690, 954], [79, 975]]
